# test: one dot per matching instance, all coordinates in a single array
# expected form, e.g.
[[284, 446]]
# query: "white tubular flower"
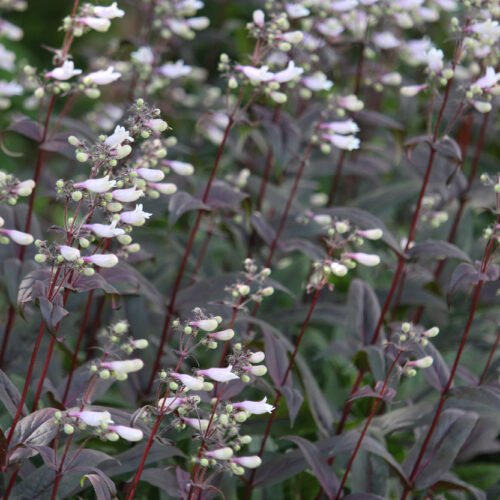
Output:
[[193, 383], [490, 79], [127, 195], [127, 433], [424, 362], [8, 89], [348, 142], [488, 31], [101, 185], [167, 405], [338, 269], [126, 366], [254, 407], [371, 234], [257, 370], [317, 81], [435, 60], [220, 454], [109, 12], [256, 357], [103, 260], [103, 77], [393, 78], [96, 23], [351, 103], [136, 217], [69, 253], [92, 418], [18, 236], [364, 258], [295, 10], [119, 136], [222, 335], [207, 325], [290, 73], [198, 23], [105, 231], [175, 70], [259, 18], [251, 462], [164, 188], [157, 124], [256, 74], [10, 31], [64, 72], [322, 219], [7, 59], [139, 343], [219, 374], [143, 55], [412, 90], [24, 188], [481, 106], [292, 37], [431, 332], [198, 424], [179, 167], [343, 127], [386, 40], [151, 174]]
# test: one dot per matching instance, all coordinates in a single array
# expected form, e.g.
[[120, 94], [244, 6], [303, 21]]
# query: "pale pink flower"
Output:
[[103, 77], [219, 374], [386, 40], [96, 23], [92, 418], [127, 195], [295, 10], [101, 185], [347, 142], [151, 174], [119, 136], [64, 72], [69, 253], [317, 81], [258, 18], [109, 12], [290, 73], [104, 230], [207, 325], [257, 357], [175, 70], [256, 74], [193, 383], [126, 366], [254, 407], [222, 335], [128, 433], [198, 424], [164, 188], [371, 234], [343, 127], [250, 462], [364, 258], [136, 217], [435, 60], [18, 236], [179, 167], [490, 79], [424, 362], [220, 454], [343, 5], [102, 260]]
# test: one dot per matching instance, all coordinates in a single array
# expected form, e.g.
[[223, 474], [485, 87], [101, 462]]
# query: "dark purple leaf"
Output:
[[452, 430], [438, 373], [276, 358], [9, 395], [104, 488], [363, 312], [438, 250], [368, 392], [164, 479], [294, 400], [317, 462], [308, 248], [264, 230], [182, 202], [28, 128], [363, 496], [222, 195]]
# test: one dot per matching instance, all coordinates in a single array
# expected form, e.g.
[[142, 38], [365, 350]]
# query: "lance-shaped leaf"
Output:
[[438, 250], [181, 203]]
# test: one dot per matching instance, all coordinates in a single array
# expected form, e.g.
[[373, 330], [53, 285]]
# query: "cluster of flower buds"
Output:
[[117, 369], [254, 287], [92, 17], [429, 214], [117, 340], [12, 188], [340, 134], [341, 234], [98, 423], [11, 32], [406, 339]]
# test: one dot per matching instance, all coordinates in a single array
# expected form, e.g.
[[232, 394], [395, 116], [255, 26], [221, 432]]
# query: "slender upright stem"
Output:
[[490, 358], [283, 382], [367, 424], [171, 306]]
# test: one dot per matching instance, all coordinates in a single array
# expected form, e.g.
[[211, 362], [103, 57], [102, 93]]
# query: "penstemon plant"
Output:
[[345, 152]]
